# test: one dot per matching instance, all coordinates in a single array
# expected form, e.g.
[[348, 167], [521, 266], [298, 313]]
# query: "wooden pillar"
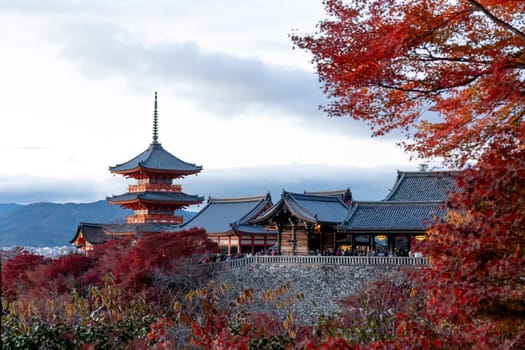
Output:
[[391, 243], [294, 238], [279, 237], [239, 238], [230, 245], [265, 245], [253, 245]]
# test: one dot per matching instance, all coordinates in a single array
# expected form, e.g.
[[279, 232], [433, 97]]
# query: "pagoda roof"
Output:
[[392, 216], [156, 159], [155, 197], [221, 214], [312, 208], [423, 186], [146, 227]]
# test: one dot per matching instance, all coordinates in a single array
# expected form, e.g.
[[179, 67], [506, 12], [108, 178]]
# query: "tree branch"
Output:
[[497, 20], [437, 89]]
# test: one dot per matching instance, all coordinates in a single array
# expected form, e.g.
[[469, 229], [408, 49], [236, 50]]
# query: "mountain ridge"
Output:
[[54, 224]]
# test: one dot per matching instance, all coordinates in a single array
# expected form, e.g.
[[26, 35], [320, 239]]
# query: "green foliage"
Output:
[[104, 317]]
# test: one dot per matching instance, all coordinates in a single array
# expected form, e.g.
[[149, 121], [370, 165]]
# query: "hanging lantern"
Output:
[[420, 237], [381, 237]]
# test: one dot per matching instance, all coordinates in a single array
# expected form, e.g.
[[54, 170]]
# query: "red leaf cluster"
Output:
[[14, 277], [131, 263], [451, 74]]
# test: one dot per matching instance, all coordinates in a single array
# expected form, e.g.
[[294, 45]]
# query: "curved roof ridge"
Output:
[[168, 161], [423, 185], [313, 197], [267, 199], [400, 203], [293, 205], [221, 216], [268, 213], [351, 212], [345, 194], [150, 196], [237, 199], [429, 172], [343, 190], [194, 218], [400, 176]]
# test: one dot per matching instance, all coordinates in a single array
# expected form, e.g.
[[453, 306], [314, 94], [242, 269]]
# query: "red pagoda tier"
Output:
[[154, 198]]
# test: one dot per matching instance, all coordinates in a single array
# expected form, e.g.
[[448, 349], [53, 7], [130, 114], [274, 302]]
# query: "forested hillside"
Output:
[[51, 224]]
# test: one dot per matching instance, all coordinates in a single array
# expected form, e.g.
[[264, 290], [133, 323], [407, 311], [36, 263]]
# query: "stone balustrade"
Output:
[[325, 260]]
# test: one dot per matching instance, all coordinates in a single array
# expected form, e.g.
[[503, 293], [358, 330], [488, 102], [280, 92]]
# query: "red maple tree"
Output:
[[451, 75]]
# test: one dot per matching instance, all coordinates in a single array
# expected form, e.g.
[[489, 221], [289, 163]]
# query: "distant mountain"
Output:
[[50, 224]]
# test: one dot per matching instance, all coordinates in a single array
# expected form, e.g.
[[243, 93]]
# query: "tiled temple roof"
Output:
[[344, 194], [95, 233], [156, 158], [222, 214], [92, 233], [253, 229], [309, 207], [392, 216], [422, 186], [159, 197]]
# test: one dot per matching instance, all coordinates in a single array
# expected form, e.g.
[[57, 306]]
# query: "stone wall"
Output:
[[321, 285]]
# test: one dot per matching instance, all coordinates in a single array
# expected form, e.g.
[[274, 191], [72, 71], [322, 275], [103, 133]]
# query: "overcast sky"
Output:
[[77, 86]]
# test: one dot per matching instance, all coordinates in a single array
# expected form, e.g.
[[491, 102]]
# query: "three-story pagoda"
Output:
[[154, 198]]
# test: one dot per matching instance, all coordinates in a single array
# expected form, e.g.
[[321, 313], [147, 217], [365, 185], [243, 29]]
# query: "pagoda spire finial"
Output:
[[155, 122]]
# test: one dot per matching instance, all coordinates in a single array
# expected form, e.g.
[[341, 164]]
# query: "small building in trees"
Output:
[[226, 221]]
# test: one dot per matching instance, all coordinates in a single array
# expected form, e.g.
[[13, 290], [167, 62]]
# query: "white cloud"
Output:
[[78, 80]]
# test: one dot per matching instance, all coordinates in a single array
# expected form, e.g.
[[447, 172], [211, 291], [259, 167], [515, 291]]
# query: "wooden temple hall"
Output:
[[329, 222]]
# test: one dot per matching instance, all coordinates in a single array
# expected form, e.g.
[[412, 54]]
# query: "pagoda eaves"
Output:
[[154, 197], [178, 199], [156, 160]]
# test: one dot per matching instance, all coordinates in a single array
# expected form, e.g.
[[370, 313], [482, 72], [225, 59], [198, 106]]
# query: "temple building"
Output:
[[334, 223], [328, 222], [415, 202], [154, 197], [226, 221], [306, 222]]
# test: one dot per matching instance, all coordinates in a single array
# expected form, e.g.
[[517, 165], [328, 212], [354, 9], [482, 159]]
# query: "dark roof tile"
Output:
[[309, 207], [385, 216], [166, 197], [423, 186], [92, 233], [156, 158], [220, 214], [344, 194]]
